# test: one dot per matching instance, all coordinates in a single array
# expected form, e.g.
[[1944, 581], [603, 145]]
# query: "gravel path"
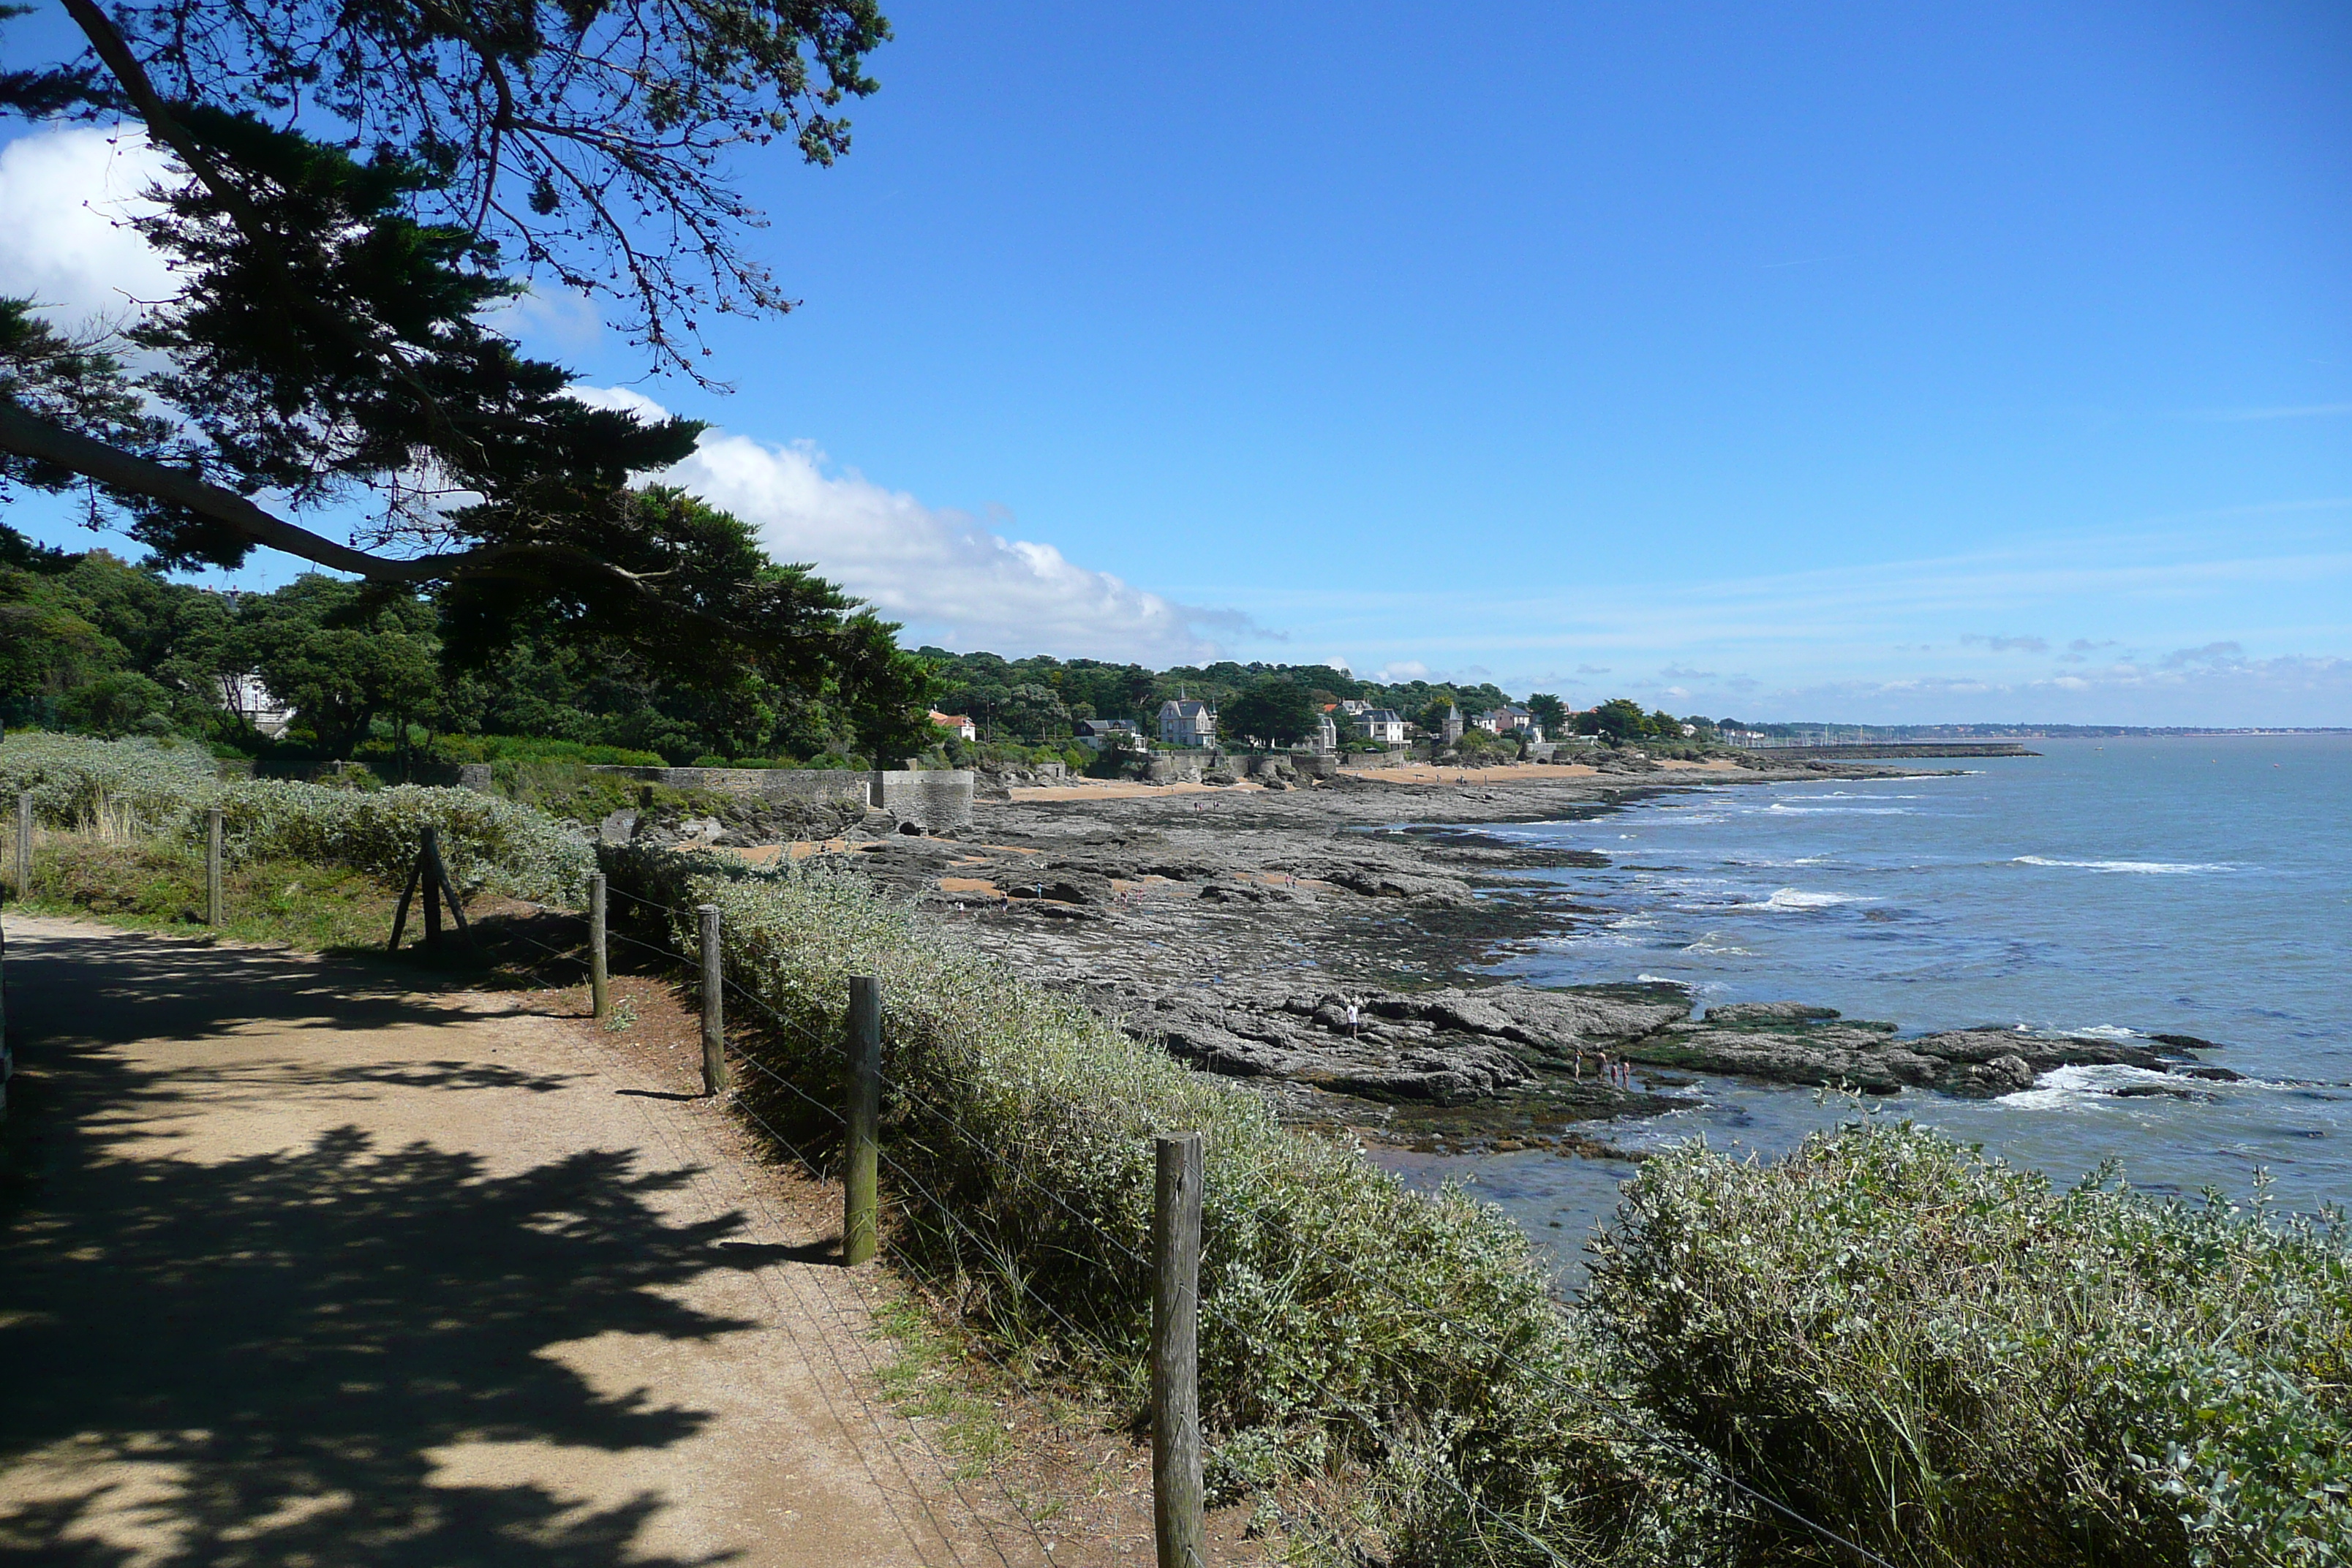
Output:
[[302, 1267]]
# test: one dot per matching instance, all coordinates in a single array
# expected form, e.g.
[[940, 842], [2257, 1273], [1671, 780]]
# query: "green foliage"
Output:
[[1432, 716], [162, 791], [334, 221], [1031, 695], [1344, 1319], [1549, 713], [1275, 710], [1953, 1362], [159, 886], [152, 784], [89, 643], [1621, 720], [339, 654], [120, 702], [459, 749], [486, 841]]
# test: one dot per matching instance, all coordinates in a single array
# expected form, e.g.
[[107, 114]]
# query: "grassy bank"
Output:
[[140, 790], [160, 887]]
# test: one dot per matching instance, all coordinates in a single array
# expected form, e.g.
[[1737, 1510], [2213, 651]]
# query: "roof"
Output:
[[1383, 716], [1188, 707], [939, 718]]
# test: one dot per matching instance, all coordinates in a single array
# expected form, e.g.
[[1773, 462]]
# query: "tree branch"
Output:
[[114, 52], [28, 435]]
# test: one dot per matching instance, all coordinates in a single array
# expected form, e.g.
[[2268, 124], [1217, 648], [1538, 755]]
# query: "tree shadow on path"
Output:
[[252, 1361]]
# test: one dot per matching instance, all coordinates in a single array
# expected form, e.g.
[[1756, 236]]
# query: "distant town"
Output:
[[1039, 700]]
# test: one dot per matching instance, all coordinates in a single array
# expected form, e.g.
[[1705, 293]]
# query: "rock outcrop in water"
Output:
[[1453, 1046], [1233, 927], [1788, 1042], [1446, 1046]]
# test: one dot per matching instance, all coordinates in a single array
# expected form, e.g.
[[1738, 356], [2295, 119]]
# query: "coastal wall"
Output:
[[937, 799], [1180, 767]]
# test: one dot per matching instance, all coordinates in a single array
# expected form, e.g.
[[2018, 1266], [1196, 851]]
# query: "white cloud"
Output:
[[1401, 671], [550, 320], [66, 197], [950, 580]]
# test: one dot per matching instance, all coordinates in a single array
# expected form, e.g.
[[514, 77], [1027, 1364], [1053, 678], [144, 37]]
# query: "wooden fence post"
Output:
[[600, 999], [24, 846], [216, 902], [427, 856], [714, 1003], [861, 1227], [1176, 1493]]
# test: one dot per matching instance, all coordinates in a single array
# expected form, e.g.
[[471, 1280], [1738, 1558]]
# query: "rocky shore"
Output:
[[1237, 925]]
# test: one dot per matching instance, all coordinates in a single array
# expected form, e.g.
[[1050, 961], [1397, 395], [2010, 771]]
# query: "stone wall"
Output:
[[1181, 767], [938, 800]]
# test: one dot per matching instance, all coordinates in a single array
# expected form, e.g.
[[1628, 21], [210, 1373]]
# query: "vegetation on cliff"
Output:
[[1921, 1350]]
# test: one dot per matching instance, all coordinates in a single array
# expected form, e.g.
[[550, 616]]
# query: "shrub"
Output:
[[161, 790], [75, 780], [1344, 1319], [1955, 1363], [485, 841], [535, 749]]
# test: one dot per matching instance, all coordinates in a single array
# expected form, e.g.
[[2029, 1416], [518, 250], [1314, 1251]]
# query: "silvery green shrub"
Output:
[[164, 790], [1345, 1323], [1958, 1363], [72, 779], [485, 841]]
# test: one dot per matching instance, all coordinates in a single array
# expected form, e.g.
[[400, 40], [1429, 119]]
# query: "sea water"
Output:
[[2126, 887]]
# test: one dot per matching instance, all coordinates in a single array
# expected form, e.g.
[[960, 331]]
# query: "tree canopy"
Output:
[[1275, 710], [91, 643], [353, 187]]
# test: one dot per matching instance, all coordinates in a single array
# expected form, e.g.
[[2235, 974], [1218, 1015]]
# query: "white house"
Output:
[[1188, 722], [957, 723], [1125, 734], [1327, 732], [245, 696], [1509, 720], [1385, 725]]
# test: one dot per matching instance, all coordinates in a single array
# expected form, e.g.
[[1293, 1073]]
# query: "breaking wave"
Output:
[[1789, 899], [2142, 868]]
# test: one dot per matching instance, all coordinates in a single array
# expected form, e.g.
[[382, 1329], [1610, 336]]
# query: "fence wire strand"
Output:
[[1617, 1406], [850, 1330]]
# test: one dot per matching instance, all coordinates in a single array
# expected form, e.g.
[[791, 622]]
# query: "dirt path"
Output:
[[302, 1267]]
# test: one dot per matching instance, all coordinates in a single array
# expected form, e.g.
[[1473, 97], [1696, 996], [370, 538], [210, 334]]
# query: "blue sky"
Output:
[[1899, 363]]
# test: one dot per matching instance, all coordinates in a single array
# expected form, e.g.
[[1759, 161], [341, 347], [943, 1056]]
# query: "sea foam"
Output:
[[1795, 899], [2142, 868]]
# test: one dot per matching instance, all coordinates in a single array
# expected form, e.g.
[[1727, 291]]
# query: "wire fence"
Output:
[[1616, 1407], [914, 1192]]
